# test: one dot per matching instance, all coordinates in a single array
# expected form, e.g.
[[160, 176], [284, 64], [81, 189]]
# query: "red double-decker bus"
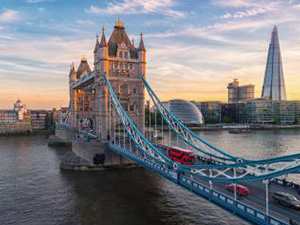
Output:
[[183, 156]]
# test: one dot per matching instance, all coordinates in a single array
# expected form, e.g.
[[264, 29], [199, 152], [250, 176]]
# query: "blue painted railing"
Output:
[[243, 210]]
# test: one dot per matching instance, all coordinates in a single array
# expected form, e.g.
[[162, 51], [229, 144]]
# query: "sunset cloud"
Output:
[[164, 7], [9, 15]]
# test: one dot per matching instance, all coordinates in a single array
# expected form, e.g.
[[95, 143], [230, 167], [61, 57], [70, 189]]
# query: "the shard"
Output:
[[274, 86]]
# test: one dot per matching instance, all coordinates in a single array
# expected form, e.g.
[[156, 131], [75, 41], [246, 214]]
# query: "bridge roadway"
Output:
[[257, 197]]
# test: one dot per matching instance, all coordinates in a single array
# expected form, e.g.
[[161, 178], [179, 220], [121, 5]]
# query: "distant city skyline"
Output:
[[194, 48]]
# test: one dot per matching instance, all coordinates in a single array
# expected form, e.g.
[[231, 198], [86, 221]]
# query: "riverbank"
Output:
[[242, 126], [24, 132]]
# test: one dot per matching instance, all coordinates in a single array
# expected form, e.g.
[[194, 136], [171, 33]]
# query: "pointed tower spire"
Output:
[[72, 68], [274, 86], [103, 39], [97, 45], [72, 73], [141, 45]]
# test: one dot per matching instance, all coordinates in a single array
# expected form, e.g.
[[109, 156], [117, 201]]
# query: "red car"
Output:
[[240, 189]]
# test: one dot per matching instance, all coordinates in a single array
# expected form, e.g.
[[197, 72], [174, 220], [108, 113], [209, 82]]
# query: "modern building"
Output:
[[8, 116], [16, 120], [39, 119], [238, 93], [210, 110], [11, 116], [274, 87], [230, 113], [266, 111], [185, 111]]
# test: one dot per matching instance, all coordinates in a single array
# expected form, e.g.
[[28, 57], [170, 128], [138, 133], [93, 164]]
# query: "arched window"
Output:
[[134, 90], [126, 55], [124, 89], [121, 55]]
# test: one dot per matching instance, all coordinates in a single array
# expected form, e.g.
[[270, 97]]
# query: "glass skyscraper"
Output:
[[274, 87]]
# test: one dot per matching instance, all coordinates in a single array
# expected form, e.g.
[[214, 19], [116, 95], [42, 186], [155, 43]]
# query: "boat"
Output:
[[239, 131]]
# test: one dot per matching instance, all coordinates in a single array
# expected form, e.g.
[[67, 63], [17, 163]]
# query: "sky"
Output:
[[194, 47]]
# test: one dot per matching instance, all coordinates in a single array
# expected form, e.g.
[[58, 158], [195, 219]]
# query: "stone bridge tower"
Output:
[[81, 98], [124, 65]]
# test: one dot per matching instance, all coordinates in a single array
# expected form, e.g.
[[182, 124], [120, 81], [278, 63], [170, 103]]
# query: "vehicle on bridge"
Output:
[[240, 189], [286, 199], [183, 156]]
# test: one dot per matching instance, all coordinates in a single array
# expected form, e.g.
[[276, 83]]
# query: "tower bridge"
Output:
[[106, 116]]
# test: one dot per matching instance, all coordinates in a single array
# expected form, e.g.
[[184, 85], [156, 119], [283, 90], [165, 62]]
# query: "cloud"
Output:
[[164, 7], [81, 22], [243, 14], [37, 1], [252, 8], [238, 3], [41, 10], [9, 15]]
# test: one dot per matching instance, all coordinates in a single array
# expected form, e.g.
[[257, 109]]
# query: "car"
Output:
[[286, 199], [240, 189]]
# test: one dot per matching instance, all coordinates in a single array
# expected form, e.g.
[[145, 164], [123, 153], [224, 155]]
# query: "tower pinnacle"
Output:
[[119, 23], [97, 45], [141, 45], [103, 39], [274, 86]]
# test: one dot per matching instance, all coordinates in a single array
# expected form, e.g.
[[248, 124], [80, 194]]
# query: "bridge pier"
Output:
[[61, 137], [93, 155]]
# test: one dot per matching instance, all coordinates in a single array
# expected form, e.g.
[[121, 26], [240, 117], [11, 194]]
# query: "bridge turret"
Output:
[[97, 44], [72, 74], [73, 95], [101, 55], [142, 57]]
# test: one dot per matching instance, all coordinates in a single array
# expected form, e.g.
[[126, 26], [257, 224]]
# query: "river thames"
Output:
[[33, 189]]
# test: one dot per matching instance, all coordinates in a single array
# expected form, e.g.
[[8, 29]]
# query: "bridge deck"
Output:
[[257, 197], [251, 208]]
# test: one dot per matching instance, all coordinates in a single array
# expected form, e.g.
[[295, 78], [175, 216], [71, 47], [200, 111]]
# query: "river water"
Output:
[[33, 190]]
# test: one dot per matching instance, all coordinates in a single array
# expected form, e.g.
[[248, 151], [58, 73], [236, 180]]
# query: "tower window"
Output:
[[126, 55], [121, 54], [134, 90]]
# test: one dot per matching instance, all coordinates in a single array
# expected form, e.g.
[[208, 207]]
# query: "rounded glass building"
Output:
[[185, 111]]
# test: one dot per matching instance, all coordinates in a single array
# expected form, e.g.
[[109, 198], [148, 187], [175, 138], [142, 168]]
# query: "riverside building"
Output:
[[238, 93], [211, 111], [185, 111], [265, 111]]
